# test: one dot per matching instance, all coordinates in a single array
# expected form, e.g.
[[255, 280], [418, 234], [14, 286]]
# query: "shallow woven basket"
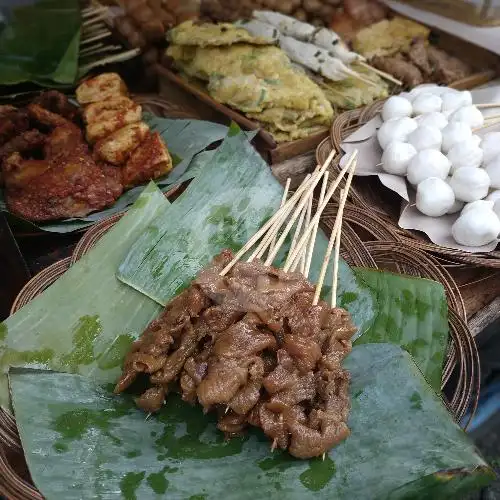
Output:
[[462, 359], [381, 205]]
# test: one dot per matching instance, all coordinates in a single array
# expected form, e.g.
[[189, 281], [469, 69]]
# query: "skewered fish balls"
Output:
[[428, 163], [470, 184], [482, 204], [465, 154], [396, 107], [425, 137], [455, 133], [397, 157], [431, 88], [455, 99], [470, 115], [396, 129], [476, 227], [434, 197], [490, 145], [426, 103], [493, 170], [433, 119]]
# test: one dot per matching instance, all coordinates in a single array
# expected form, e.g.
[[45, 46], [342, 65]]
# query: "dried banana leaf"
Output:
[[82, 442], [39, 42], [86, 321], [412, 313], [222, 208], [184, 138]]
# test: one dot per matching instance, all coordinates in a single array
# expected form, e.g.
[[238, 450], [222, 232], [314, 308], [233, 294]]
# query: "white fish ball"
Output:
[[470, 184], [431, 88], [433, 119], [395, 129], [479, 204], [494, 195], [491, 146], [397, 156], [454, 99], [425, 137], [465, 154], [434, 197], [496, 208], [493, 170], [426, 103], [396, 107], [456, 207], [454, 133], [428, 163], [476, 228], [470, 115], [476, 140]]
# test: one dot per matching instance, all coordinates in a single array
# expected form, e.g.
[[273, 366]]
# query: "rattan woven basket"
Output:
[[381, 206], [462, 359]]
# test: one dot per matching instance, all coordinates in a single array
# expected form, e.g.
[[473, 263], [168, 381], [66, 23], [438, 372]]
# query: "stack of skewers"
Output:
[[254, 343]]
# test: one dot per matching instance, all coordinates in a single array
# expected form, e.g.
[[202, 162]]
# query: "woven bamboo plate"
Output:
[[462, 360], [382, 207]]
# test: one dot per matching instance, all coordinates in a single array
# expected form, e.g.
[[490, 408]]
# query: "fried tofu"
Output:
[[112, 120], [117, 147], [100, 88], [94, 112], [149, 161]]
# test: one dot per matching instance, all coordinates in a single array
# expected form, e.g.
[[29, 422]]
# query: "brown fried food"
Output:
[[149, 161], [111, 120], [276, 364], [58, 103], [72, 185], [117, 147], [13, 122], [96, 111], [47, 118], [405, 71], [100, 88], [26, 141], [418, 55], [447, 69]]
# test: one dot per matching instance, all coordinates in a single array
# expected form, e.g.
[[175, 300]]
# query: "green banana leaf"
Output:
[[86, 321], [39, 42], [184, 138], [412, 313], [82, 442]]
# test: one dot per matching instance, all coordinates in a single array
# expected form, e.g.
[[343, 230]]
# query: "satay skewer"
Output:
[[283, 201], [488, 105], [487, 125], [381, 73]]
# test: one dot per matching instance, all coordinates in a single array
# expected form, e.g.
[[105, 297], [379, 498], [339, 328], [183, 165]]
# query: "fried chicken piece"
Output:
[[26, 141], [72, 185], [58, 103], [13, 121], [112, 120], [100, 88], [47, 118], [117, 147], [149, 161]]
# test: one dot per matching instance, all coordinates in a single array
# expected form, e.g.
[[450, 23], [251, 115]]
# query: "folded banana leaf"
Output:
[[39, 42], [412, 313], [226, 203], [82, 442], [86, 321], [184, 138]]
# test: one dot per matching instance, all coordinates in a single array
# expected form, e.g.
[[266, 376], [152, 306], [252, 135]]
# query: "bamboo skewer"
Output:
[[312, 241], [322, 207], [283, 201], [308, 221], [123, 56], [487, 125], [492, 117], [333, 237], [300, 222], [100, 36], [381, 73], [278, 214], [488, 105]]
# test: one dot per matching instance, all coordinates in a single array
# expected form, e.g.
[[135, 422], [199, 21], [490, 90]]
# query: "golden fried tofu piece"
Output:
[[112, 120], [100, 88], [149, 161], [93, 112], [117, 147]]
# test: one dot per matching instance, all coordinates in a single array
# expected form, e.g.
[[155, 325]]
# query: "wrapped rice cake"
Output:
[[261, 81]]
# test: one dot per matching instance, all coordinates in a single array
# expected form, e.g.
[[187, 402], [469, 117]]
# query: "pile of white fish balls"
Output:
[[428, 137]]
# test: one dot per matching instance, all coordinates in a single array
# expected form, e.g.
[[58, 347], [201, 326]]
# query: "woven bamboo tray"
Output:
[[462, 359], [380, 208]]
